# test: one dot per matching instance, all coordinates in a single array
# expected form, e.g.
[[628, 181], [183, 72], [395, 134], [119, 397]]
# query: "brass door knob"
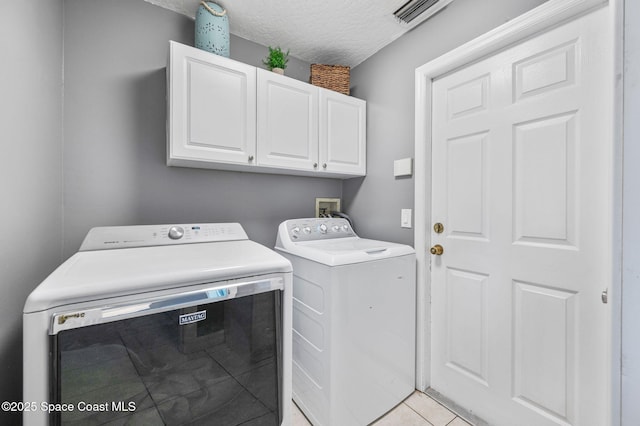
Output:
[[437, 250]]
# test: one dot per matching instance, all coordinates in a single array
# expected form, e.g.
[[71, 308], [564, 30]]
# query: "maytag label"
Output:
[[193, 317]]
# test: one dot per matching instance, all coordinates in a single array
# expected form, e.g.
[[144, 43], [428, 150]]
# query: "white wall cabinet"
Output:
[[223, 114], [342, 133], [287, 122], [211, 109]]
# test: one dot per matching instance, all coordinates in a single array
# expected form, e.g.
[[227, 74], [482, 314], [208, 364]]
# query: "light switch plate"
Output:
[[403, 167], [405, 218]]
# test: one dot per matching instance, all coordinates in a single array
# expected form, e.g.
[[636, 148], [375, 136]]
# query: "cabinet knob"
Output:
[[324, 166], [251, 158], [315, 165]]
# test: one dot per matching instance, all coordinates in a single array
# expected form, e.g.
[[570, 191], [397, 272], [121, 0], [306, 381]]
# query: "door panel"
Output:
[[467, 192], [468, 97], [545, 71], [521, 174], [544, 347], [544, 180], [468, 334]]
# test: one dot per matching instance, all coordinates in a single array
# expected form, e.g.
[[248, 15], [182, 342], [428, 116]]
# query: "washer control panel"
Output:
[[114, 237], [318, 229]]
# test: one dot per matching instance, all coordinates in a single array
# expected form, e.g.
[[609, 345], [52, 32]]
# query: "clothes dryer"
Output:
[[166, 324]]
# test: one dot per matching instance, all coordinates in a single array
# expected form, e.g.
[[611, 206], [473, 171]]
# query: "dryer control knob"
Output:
[[307, 230], [296, 230], [323, 228], [176, 232], [335, 228], [345, 228]]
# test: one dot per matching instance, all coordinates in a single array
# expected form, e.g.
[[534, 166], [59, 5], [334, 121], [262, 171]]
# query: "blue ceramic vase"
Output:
[[212, 29]]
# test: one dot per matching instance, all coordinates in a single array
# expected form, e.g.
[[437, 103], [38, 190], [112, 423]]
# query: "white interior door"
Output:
[[521, 181]]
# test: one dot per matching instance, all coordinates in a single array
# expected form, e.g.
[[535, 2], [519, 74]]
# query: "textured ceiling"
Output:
[[344, 32]]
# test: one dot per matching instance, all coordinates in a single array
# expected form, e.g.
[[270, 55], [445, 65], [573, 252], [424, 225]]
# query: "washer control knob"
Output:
[[307, 230], [335, 228], [176, 232], [345, 228], [323, 228], [296, 230]]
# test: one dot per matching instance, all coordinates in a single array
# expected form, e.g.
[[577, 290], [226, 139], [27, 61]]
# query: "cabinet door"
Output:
[[211, 108], [287, 122], [342, 131]]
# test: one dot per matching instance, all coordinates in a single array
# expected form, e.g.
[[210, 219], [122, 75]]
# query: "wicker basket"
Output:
[[334, 77]]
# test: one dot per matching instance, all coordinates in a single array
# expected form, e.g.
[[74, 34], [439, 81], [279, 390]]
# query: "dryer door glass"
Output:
[[215, 363]]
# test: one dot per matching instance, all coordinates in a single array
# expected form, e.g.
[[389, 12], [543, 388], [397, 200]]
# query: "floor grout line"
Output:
[[411, 408], [452, 420], [456, 416]]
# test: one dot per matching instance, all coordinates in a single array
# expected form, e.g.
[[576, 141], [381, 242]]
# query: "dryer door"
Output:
[[183, 358]]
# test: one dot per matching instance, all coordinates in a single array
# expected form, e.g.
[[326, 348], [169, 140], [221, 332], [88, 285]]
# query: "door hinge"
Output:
[[605, 296]]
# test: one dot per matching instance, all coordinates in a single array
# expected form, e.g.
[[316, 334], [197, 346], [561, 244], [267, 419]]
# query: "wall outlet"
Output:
[[405, 218], [324, 206]]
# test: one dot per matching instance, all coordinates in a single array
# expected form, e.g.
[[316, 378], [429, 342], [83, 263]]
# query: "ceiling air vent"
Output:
[[414, 8]]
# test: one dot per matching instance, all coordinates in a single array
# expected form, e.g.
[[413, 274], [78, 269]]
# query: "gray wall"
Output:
[[386, 81], [114, 167], [114, 146], [30, 175], [631, 214]]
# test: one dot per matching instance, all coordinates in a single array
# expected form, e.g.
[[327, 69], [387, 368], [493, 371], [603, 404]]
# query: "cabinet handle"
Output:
[[324, 166], [251, 158], [315, 165]]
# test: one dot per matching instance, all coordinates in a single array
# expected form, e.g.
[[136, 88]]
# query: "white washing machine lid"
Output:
[[332, 242], [101, 274], [344, 251]]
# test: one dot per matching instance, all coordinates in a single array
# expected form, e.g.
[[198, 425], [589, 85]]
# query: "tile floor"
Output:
[[417, 410]]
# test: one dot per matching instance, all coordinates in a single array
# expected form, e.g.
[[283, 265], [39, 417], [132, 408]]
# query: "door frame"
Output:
[[540, 19]]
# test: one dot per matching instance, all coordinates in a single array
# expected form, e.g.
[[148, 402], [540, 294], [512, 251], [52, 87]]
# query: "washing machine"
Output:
[[161, 324], [354, 305]]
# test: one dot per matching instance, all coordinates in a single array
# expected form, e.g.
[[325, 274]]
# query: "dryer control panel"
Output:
[[318, 229], [116, 237]]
